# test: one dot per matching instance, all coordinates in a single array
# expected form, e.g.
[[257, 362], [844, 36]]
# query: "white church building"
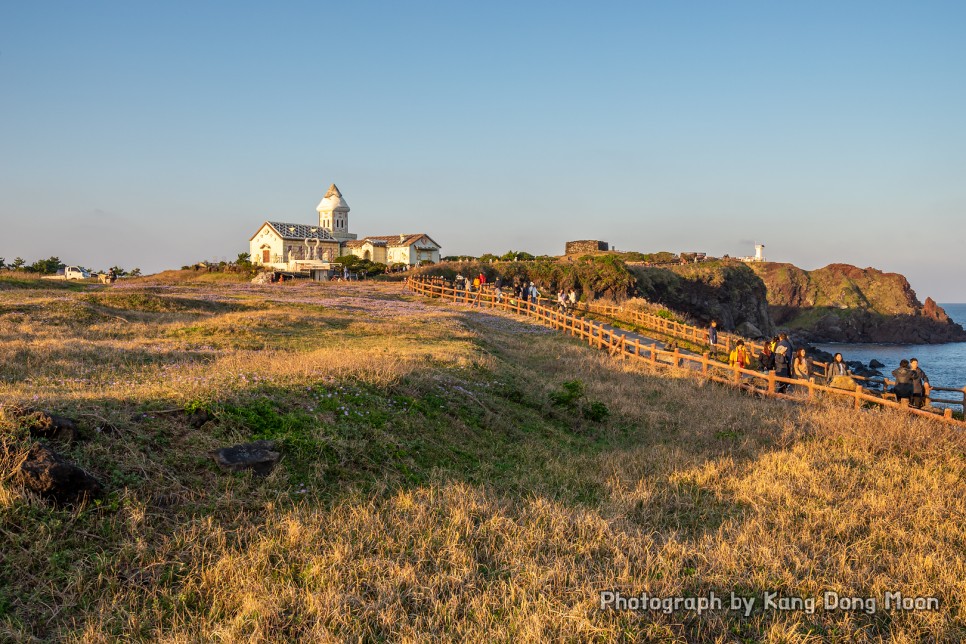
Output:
[[299, 247]]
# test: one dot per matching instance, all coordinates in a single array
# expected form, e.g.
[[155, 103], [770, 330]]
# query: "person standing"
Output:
[[920, 385], [713, 338], [572, 299], [801, 368], [783, 361], [903, 387], [739, 355]]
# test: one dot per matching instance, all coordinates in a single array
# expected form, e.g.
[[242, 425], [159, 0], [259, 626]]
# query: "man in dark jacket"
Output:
[[713, 338], [920, 384], [783, 361], [903, 387]]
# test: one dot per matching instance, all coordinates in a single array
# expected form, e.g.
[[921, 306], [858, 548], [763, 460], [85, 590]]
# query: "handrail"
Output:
[[618, 346]]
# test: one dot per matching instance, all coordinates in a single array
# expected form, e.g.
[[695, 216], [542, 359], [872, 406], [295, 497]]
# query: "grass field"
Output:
[[441, 480]]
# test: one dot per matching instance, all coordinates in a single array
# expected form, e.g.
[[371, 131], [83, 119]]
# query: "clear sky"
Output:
[[158, 134]]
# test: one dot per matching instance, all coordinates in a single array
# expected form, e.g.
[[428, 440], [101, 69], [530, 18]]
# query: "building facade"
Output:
[[285, 246]]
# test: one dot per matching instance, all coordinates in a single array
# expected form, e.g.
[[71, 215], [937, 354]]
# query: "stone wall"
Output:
[[585, 246]]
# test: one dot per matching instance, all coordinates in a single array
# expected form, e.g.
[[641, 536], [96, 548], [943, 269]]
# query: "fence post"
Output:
[[858, 396], [704, 364], [677, 357], [737, 375], [811, 388], [654, 353], [771, 381], [948, 412]]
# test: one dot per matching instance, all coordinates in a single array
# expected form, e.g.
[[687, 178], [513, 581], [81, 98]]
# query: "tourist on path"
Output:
[[836, 368], [783, 361], [801, 365], [739, 356], [903, 387], [920, 385], [767, 359], [572, 299], [713, 338]]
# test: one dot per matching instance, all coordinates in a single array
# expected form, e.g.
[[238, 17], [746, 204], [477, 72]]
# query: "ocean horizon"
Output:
[[944, 364]]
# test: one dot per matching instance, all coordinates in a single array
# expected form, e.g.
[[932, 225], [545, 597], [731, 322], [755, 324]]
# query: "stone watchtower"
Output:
[[334, 215]]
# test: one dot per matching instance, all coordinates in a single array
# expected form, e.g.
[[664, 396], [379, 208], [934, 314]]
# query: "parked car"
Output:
[[69, 273]]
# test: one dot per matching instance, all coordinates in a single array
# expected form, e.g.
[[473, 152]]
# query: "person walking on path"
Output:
[[572, 299], [739, 356], [903, 387], [534, 296], [783, 361], [920, 385], [713, 338]]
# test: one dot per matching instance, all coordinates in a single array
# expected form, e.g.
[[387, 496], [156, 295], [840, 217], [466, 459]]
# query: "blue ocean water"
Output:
[[945, 364]]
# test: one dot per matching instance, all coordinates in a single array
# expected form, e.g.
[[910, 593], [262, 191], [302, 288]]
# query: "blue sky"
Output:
[[157, 135]]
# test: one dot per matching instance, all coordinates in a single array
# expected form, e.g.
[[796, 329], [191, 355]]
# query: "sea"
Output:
[[945, 364]]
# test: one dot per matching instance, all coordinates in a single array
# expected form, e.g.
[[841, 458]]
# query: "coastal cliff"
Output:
[[844, 303], [728, 292]]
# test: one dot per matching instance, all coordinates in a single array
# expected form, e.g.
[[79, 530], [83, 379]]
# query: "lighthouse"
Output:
[[759, 252]]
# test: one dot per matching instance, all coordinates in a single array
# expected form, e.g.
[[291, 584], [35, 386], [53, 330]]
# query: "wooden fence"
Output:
[[597, 335]]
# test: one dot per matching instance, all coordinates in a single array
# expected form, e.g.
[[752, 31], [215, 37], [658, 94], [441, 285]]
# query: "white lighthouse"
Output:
[[334, 215], [759, 252]]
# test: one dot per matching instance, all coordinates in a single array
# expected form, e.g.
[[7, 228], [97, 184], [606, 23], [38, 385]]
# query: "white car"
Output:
[[69, 273]]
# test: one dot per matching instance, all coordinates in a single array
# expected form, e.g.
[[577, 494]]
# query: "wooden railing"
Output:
[[598, 335]]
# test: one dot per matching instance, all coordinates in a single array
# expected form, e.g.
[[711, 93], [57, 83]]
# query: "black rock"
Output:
[[875, 364], [54, 477], [41, 424], [198, 418], [259, 457]]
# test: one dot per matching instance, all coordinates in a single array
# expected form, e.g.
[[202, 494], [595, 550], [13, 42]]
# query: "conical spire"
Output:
[[333, 192]]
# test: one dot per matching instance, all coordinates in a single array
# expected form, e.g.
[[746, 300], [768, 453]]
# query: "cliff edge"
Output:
[[844, 303]]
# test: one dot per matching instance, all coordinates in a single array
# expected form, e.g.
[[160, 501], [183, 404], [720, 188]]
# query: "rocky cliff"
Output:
[[843, 303], [728, 292]]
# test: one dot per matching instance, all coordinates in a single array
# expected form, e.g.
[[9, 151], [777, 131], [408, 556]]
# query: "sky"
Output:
[[159, 134]]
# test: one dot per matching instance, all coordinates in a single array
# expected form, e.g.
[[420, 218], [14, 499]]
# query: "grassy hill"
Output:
[[441, 478]]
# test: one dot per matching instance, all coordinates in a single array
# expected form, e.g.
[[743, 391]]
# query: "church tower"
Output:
[[334, 214]]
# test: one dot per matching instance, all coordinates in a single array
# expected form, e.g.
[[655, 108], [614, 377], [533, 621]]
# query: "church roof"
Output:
[[359, 243], [332, 200], [407, 240], [299, 231]]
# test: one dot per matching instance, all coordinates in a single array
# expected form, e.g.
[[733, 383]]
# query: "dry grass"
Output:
[[431, 490]]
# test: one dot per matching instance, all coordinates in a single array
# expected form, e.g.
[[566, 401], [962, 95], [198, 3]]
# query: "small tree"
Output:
[[18, 263], [3, 263], [47, 266], [120, 272], [488, 257], [136, 272]]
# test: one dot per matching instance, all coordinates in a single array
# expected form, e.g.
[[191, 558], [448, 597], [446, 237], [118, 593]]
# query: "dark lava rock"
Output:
[[41, 424], [875, 364], [198, 418], [259, 457], [54, 477]]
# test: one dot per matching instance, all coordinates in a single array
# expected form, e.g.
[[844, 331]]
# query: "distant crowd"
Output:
[[780, 356]]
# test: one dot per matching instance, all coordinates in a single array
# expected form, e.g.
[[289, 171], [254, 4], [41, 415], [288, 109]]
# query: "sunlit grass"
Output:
[[434, 486]]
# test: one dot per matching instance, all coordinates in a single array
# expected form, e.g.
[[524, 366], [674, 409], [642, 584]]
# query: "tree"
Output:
[[136, 272], [18, 263], [120, 272], [3, 263], [488, 257], [47, 266]]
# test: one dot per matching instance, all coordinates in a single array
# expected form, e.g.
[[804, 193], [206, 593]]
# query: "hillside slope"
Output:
[[724, 291], [844, 303], [440, 480]]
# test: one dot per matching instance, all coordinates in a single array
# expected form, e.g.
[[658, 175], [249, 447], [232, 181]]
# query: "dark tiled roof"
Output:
[[300, 231], [408, 240]]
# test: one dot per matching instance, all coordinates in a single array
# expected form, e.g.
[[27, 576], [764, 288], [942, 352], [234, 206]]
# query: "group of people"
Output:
[[779, 355], [519, 290]]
